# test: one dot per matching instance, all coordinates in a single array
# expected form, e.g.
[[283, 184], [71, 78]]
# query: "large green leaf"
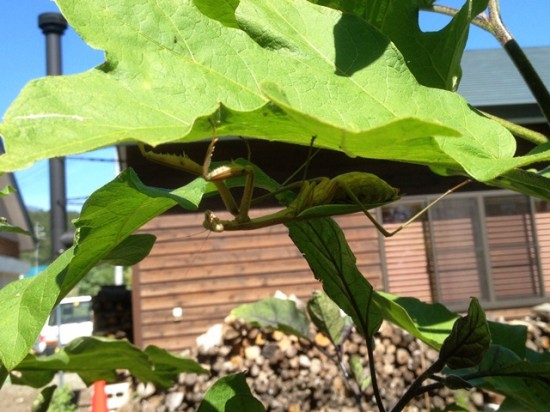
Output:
[[469, 340], [430, 322], [228, 394], [278, 314], [42, 402], [25, 305], [328, 317], [292, 70], [130, 251], [525, 383], [97, 358], [434, 57], [108, 218], [324, 246]]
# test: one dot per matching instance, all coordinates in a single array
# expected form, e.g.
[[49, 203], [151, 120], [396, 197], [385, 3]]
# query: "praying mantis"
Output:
[[316, 198]]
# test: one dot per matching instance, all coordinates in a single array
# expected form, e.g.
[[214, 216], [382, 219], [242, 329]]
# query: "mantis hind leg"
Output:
[[381, 228]]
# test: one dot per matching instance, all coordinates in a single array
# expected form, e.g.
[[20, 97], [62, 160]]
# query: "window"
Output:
[[477, 244]]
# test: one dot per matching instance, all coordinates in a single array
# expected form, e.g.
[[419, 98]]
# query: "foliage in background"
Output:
[[41, 223], [92, 282]]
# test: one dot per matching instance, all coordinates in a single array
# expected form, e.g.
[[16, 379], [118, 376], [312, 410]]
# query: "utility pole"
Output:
[[53, 26]]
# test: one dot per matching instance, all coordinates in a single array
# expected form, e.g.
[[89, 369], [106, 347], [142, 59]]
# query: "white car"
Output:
[[75, 321]]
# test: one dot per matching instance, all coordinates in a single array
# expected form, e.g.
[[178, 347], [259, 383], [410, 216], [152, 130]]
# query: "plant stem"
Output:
[[340, 362], [372, 369], [520, 131], [524, 66], [531, 77], [416, 385]]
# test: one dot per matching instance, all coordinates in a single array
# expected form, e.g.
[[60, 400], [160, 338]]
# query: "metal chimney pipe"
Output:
[[53, 26]]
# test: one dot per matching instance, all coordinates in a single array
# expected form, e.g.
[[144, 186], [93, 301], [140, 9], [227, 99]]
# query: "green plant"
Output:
[[63, 400], [366, 82]]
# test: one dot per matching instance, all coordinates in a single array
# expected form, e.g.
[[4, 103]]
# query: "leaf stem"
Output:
[[430, 387], [481, 21], [415, 387], [519, 131]]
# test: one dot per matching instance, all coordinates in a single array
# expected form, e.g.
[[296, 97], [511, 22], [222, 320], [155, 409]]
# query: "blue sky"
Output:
[[22, 53]]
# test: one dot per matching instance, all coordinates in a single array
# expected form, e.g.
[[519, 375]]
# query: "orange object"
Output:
[[99, 398]]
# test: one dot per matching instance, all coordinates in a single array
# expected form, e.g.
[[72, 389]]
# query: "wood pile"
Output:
[[290, 374], [112, 308]]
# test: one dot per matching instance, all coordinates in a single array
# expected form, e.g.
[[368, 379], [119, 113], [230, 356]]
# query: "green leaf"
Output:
[[6, 227], [525, 383], [97, 358], [130, 251], [42, 403], [358, 372], [324, 246], [167, 366], [468, 341], [230, 394], [108, 217], [430, 322], [272, 78], [527, 182], [456, 382], [328, 317], [223, 11], [433, 57], [6, 191], [278, 314], [512, 337], [25, 305]]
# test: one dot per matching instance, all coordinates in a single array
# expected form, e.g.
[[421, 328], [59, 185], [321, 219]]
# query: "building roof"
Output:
[[491, 80]]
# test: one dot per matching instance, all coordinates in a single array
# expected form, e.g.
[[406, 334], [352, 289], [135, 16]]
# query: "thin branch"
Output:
[[340, 362], [481, 21], [416, 386]]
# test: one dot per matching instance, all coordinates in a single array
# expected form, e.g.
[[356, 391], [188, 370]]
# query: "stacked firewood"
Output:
[[112, 308], [287, 373]]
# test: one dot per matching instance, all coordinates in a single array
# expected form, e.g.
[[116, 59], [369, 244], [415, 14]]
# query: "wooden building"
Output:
[[481, 242], [12, 244]]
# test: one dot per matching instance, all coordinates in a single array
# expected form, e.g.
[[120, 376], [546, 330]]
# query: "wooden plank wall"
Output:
[[407, 262], [209, 274], [207, 277], [542, 220]]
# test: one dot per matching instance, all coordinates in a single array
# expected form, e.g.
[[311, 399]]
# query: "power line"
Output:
[[92, 159]]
